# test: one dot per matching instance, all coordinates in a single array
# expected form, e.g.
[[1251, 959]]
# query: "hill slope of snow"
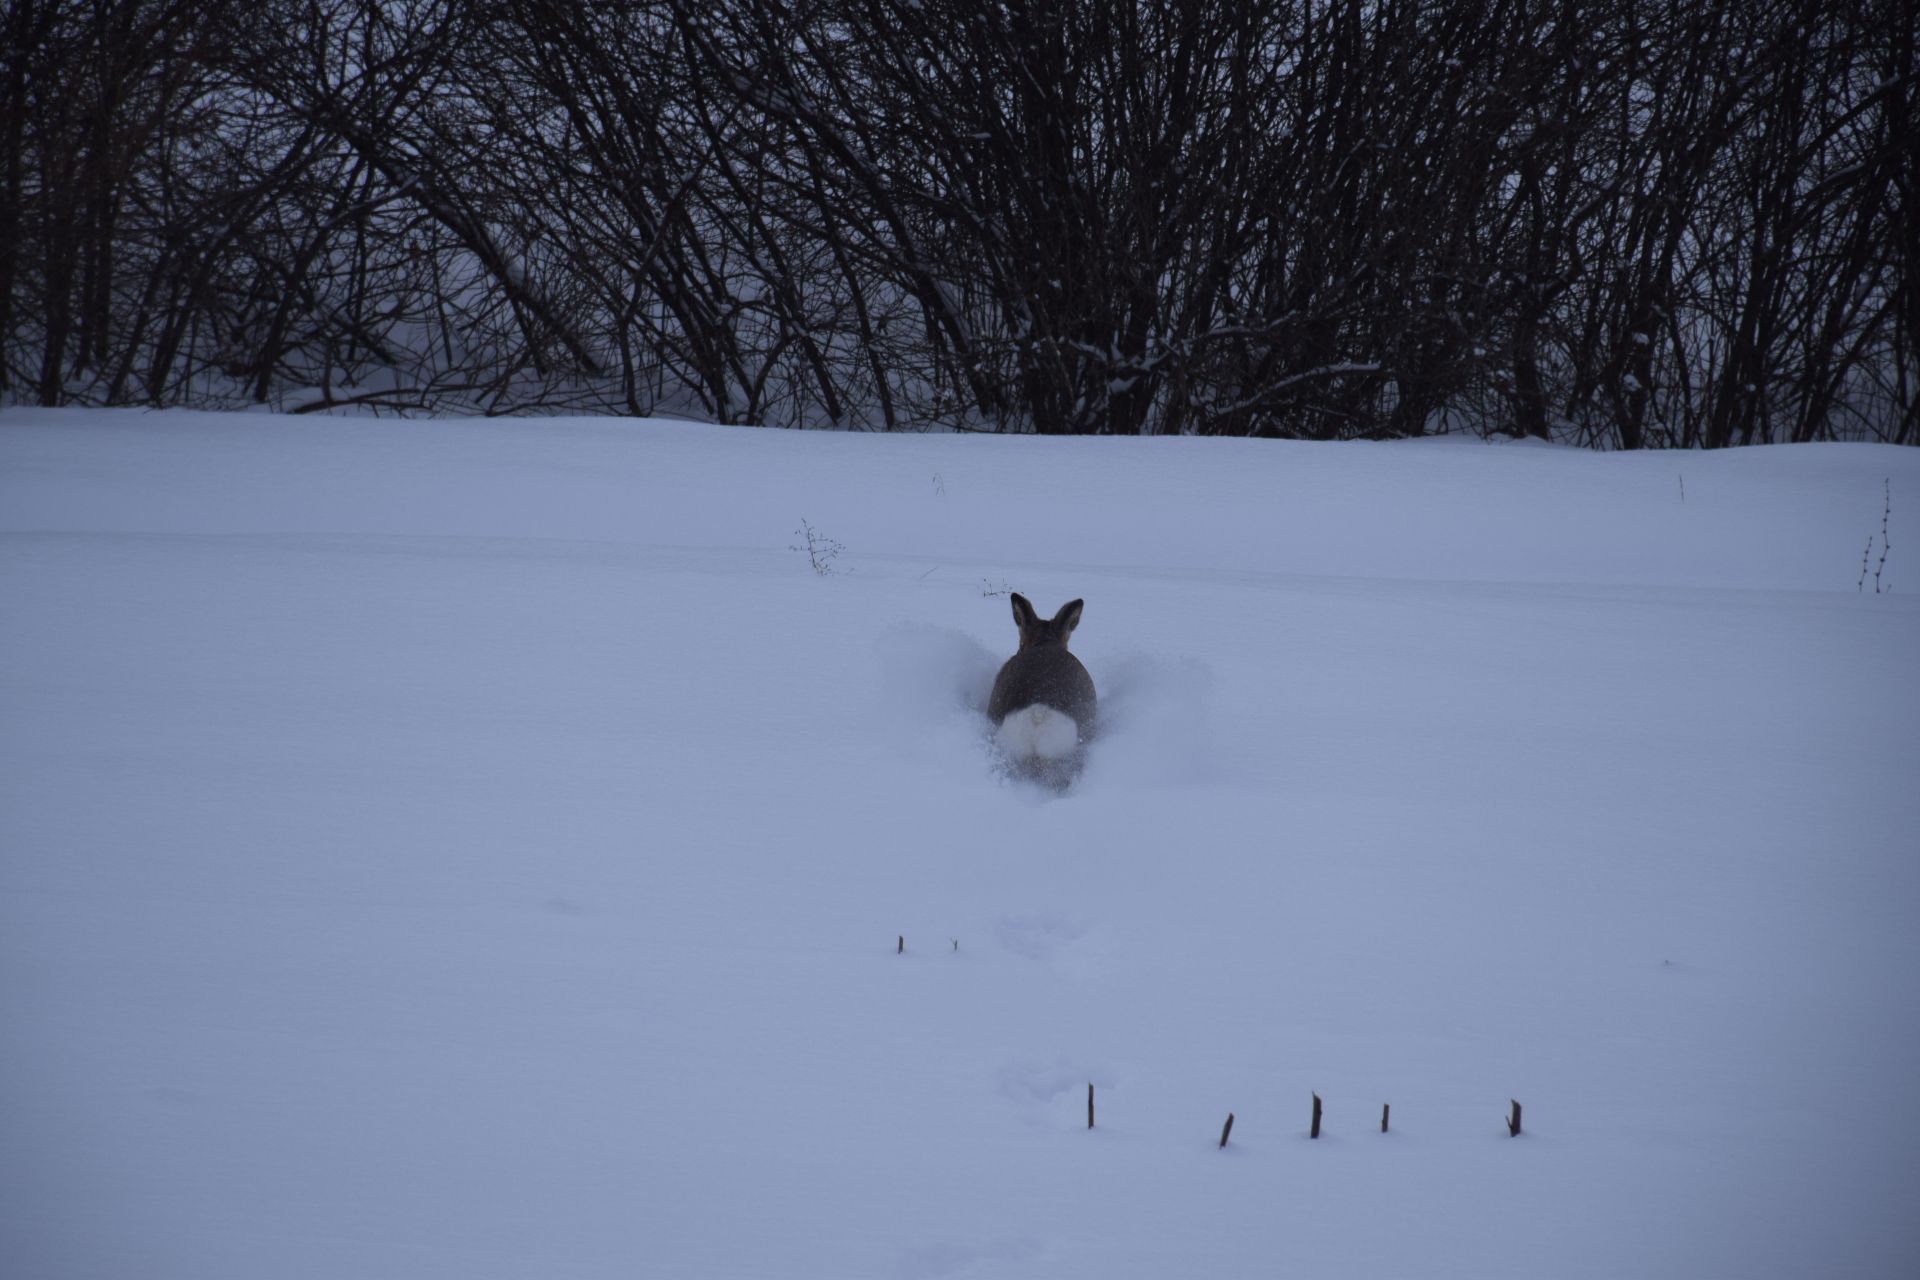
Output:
[[483, 849]]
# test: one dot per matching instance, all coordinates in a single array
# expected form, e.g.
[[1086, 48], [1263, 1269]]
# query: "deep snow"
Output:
[[479, 849]]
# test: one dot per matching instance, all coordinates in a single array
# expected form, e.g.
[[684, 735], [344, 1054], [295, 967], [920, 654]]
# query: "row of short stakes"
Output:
[[1313, 1131]]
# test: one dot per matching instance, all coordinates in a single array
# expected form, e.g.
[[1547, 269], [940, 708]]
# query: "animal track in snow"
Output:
[[1037, 937]]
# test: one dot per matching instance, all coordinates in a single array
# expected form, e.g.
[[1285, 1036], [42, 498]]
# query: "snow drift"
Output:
[[481, 849]]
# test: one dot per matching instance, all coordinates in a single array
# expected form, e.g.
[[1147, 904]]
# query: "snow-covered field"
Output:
[[479, 849]]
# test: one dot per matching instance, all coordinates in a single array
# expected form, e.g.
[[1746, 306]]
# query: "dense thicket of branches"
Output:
[[1610, 221]]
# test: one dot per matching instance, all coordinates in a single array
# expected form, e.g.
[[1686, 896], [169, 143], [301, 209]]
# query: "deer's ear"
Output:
[[1023, 615]]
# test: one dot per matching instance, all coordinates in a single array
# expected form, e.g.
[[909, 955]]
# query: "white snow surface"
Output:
[[473, 849]]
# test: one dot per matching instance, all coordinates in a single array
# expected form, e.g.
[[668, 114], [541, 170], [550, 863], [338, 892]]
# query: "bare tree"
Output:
[[1609, 221]]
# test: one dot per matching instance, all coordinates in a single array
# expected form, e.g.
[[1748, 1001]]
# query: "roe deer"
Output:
[[1043, 701]]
